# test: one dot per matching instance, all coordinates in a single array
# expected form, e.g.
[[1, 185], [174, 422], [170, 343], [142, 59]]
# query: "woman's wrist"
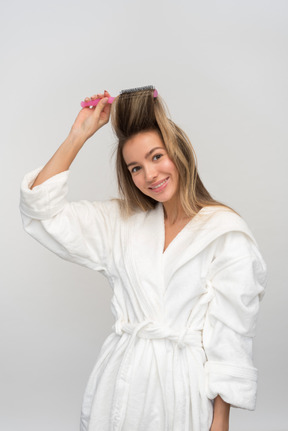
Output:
[[76, 137]]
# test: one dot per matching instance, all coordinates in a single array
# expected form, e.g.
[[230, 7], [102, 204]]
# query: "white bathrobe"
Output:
[[184, 319]]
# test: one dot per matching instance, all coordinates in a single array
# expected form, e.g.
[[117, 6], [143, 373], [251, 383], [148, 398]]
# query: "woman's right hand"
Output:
[[89, 120]]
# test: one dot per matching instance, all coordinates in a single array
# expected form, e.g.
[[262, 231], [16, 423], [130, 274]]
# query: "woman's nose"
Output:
[[150, 173]]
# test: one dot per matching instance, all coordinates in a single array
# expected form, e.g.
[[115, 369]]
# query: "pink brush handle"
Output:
[[95, 102]]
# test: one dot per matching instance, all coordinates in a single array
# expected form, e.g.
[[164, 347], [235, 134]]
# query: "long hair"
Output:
[[137, 112]]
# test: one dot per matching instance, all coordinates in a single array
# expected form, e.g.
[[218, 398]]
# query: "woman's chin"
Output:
[[162, 198]]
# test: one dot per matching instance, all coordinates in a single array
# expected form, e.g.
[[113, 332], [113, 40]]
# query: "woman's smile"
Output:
[[161, 185], [152, 171]]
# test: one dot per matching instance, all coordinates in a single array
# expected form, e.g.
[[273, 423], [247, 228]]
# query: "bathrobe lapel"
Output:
[[150, 269], [205, 227], [144, 234]]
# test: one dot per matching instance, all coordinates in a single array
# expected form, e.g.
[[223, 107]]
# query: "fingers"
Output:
[[100, 106], [98, 96], [102, 111]]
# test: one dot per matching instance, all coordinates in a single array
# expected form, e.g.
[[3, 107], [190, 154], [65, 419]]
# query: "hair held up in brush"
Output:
[[137, 112]]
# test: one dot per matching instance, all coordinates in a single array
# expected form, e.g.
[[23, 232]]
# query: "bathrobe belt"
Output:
[[150, 330]]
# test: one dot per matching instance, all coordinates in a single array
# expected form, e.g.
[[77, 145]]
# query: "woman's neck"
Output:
[[174, 213]]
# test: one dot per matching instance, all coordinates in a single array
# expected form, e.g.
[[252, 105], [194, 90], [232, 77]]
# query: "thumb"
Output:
[[100, 106]]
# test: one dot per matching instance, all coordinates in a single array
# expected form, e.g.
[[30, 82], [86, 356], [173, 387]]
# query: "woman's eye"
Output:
[[157, 156], [135, 169]]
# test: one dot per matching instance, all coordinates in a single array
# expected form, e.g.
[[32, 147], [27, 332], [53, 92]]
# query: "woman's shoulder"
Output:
[[217, 208], [115, 209], [110, 208], [224, 221], [127, 213], [230, 232], [221, 214]]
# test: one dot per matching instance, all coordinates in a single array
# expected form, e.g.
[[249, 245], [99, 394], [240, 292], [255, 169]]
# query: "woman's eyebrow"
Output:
[[147, 155]]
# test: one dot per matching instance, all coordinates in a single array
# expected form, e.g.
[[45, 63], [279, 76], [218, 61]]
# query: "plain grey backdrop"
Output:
[[221, 67]]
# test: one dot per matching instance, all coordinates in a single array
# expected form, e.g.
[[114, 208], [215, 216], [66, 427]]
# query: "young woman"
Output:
[[186, 274]]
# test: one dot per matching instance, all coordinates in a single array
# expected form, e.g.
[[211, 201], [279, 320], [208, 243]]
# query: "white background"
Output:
[[221, 67]]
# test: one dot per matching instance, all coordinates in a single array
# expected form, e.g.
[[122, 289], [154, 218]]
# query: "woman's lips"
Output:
[[160, 186]]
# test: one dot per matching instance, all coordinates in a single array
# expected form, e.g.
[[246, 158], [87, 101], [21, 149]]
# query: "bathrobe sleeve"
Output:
[[80, 232], [237, 277]]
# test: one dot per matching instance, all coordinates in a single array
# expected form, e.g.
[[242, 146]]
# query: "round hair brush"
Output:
[[128, 91]]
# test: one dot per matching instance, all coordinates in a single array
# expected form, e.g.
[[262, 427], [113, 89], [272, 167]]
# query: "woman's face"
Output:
[[152, 171]]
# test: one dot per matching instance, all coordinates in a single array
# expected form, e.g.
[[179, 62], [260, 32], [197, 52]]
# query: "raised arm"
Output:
[[88, 121], [81, 232]]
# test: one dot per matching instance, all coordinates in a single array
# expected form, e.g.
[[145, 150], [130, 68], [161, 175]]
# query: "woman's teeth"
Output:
[[159, 185]]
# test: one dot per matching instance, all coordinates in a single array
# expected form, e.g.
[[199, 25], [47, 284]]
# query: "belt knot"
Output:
[[153, 330]]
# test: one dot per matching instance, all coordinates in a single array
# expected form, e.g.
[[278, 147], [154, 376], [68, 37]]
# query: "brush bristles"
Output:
[[136, 90]]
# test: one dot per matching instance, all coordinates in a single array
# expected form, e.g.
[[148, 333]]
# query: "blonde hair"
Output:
[[138, 112]]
